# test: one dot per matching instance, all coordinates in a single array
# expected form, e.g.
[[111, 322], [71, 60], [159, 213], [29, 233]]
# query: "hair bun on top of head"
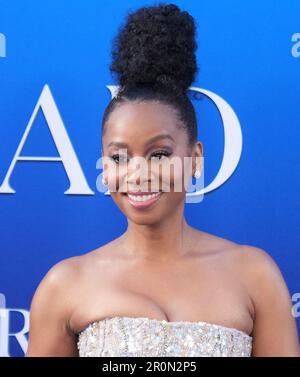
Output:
[[156, 47]]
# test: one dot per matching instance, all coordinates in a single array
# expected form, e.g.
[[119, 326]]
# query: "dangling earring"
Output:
[[197, 174]]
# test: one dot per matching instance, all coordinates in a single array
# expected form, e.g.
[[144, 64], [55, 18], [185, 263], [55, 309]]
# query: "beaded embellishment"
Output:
[[142, 336]]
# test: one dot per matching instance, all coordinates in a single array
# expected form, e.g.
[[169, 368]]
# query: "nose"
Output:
[[138, 175]]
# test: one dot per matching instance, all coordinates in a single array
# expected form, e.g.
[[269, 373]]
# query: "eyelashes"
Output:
[[115, 158], [121, 159], [160, 153]]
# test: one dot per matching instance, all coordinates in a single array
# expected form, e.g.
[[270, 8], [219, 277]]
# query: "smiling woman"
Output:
[[163, 288], [158, 142]]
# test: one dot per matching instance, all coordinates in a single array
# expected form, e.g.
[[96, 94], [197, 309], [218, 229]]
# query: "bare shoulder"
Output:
[[264, 278], [273, 305], [60, 285], [57, 283], [260, 264], [209, 242], [256, 259], [254, 264], [62, 272], [50, 310], [256, 254], [69, 270]]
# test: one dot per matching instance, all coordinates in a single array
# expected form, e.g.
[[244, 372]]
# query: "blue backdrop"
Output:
[[248, 54]]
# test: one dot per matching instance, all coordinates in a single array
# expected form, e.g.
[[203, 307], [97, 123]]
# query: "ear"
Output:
[[198, 157]]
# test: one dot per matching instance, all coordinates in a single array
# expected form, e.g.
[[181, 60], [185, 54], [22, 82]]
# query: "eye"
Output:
[[118, 159], [159, 154]]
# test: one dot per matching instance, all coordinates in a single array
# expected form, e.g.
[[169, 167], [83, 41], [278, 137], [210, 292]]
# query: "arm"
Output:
[[275, 331], [50, 309]]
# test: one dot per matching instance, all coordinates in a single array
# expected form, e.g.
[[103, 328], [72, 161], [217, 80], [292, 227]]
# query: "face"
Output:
[[139, 143]]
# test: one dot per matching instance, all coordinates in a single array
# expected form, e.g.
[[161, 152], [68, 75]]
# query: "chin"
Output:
[[145, 220]]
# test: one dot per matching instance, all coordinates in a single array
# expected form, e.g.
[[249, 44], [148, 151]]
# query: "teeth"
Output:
[[143, 198]]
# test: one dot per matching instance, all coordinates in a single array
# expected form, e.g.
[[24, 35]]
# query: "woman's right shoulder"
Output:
[[68, 272], [69, 269], [58, 283], [59, 277]]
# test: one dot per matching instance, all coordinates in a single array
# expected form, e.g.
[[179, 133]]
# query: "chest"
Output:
[[178, 294]]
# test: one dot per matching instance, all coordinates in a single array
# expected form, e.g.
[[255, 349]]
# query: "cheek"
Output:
[[114, 181], [178, 179], [116, 177], [177, 175]]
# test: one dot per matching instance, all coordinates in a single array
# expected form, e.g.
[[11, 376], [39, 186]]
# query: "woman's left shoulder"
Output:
[[252, 260], [262, 275], [272, 303], [258, 260]]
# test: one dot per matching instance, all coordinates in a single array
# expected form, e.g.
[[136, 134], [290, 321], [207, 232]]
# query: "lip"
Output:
[[145, 204], [141, 192]]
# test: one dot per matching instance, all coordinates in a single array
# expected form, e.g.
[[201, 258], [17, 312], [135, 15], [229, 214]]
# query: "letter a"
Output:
[[78, 183]]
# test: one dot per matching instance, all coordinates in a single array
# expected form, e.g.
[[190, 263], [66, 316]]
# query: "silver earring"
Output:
[[197, 174]]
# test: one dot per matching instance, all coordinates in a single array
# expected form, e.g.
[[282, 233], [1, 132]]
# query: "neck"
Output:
[[164, 241]]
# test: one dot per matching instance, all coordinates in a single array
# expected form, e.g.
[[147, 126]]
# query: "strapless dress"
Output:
[[122, 336]]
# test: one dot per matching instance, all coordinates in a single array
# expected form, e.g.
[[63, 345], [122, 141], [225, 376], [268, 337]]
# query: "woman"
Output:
[[163, 288]]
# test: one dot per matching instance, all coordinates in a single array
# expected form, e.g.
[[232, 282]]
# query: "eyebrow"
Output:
[[149, 141]]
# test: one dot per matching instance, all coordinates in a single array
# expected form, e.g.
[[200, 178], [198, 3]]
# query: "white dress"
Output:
[[141, 336]]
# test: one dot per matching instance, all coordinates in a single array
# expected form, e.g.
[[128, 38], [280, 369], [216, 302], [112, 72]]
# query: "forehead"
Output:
[[137, 121]]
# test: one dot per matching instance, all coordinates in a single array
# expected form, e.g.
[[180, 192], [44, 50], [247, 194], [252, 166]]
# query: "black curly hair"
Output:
[[153, 56]]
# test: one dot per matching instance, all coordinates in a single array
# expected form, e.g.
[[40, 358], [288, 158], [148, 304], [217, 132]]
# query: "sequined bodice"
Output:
[[142, 336]]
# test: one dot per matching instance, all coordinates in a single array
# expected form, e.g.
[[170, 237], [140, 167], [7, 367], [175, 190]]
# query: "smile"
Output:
[[142, 201]]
